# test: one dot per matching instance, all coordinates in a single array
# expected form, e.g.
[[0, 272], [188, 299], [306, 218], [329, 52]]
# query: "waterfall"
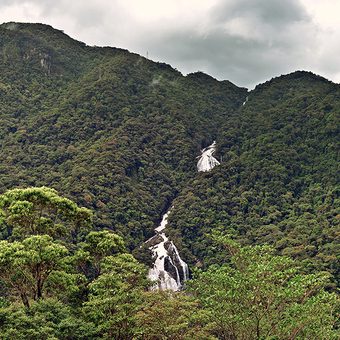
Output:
[[183, 265], [168, 264], [169, 270], [206, 160]]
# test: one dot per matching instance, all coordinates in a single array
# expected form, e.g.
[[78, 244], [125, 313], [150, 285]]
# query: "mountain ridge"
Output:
[[108, 101], [119, 134]]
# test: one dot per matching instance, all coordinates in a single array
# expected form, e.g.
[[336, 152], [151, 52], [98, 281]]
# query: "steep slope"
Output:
[[109, 129], [119, 134], [279, 179]]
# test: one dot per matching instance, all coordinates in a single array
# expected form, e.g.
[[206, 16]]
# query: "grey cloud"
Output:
[[219, 55], [273, 36], [86, 13], [6, 3], [273, 12], [245, 61], [43, 4], [90, 17]]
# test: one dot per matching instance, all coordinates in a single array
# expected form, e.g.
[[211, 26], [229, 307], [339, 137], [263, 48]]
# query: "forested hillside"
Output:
[[100, 138], [279, 179], [119, 134], [111, 130]]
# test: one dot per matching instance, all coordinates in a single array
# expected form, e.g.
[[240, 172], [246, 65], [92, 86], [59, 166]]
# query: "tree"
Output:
[[166, 315], [38, 211], [46, 320], [116, 296], [88, 259], [98, 245], [262, 296], [27, 266]]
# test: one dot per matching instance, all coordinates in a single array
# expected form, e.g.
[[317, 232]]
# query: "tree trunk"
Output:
[[39, 289], [24, 299]]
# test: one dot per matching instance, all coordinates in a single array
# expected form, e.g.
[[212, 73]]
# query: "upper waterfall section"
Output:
[[207, 161]]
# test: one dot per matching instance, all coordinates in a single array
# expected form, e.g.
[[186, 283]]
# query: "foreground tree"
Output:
[[36, 266], [30, 266], [166, 315], [262, 296], [47, 319], [38, 211], [98, 245], [88, 259], [116, 296]]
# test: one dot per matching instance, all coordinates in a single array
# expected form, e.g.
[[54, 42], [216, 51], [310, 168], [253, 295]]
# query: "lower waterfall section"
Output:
[[169, 270]]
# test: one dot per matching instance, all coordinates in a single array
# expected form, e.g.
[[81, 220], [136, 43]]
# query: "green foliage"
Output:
[[119, 134], [98, 246], [46, 319], [277, 182], [263, 296], [37, 268], [38, 211], [166, 315], [144, 255], [26, 266], [108, 129], [116, 296]]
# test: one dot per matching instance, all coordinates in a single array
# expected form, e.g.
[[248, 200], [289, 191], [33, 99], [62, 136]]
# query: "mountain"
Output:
[[119, 134], [279, 179], [113, 131]]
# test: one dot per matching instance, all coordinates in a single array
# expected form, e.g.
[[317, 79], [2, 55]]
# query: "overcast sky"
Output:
[[244, 41]]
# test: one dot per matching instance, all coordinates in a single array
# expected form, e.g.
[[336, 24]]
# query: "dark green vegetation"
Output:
[[113, 131], [119, 134], [52, 288], [279, 179]]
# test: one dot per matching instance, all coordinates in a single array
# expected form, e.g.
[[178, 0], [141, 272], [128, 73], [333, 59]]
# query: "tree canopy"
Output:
[[263, 296], [38, 211]]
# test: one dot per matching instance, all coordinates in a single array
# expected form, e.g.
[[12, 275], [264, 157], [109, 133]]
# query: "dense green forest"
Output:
[[55, 288], [108, 140], [279, 181], [109, 129]]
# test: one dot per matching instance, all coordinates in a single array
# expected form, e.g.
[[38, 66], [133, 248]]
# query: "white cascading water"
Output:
[[164, 279], [167, 251], [206, 161]]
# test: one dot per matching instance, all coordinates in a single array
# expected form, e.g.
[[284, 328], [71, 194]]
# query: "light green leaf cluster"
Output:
[[36, 211], [26, 266], [167, 315], [47, 319], [260, 295], [37, 267], [98, 245], [116, 296], [102, 243]]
